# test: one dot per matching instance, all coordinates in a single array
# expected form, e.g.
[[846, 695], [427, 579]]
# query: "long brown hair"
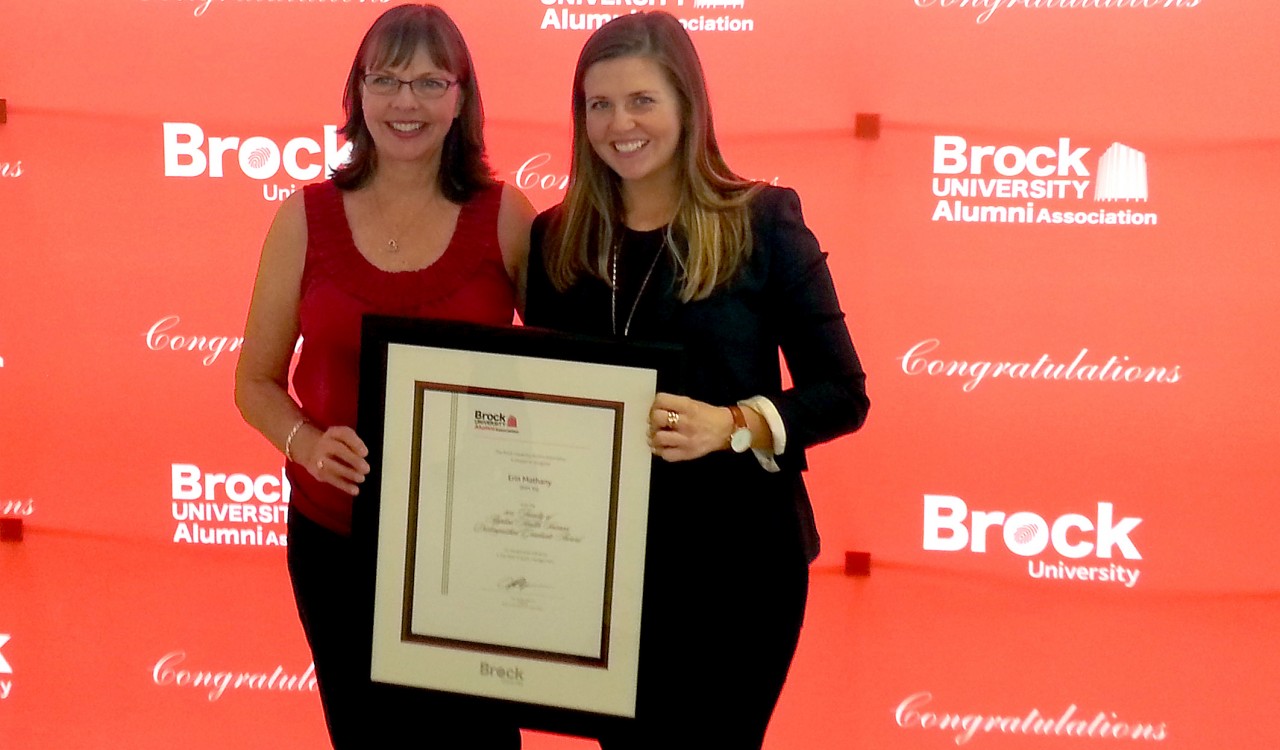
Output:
[[710, 236], [391, 42]]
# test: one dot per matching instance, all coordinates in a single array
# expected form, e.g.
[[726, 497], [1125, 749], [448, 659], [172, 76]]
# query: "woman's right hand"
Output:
[[335, 456]]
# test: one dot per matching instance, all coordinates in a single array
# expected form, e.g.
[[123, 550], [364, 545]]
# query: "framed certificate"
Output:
[[505, 515]]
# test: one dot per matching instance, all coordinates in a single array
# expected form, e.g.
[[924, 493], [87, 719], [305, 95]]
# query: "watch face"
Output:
[[740, 441]]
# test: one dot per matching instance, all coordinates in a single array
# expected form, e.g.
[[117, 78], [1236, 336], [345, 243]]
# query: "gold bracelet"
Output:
[[288, 442]]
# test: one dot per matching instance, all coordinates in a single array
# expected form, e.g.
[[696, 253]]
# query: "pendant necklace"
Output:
[[393, 245], [613, 286]]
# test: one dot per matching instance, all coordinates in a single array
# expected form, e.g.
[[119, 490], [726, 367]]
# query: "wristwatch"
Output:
[[740, 439]]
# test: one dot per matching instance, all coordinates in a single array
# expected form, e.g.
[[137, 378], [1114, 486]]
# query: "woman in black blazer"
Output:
[[657, 239]]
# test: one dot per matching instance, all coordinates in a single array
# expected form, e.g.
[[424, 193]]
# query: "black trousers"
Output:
[[725, 588], [361, 714]]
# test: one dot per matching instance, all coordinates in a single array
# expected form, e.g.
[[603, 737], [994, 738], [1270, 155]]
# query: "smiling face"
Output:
[[633, 119], [406, 127]]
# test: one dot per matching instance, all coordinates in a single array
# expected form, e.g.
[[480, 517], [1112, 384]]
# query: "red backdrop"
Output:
[[1067, 480]]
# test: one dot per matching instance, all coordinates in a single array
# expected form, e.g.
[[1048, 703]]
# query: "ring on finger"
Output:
[[320, 465], [673, 420]]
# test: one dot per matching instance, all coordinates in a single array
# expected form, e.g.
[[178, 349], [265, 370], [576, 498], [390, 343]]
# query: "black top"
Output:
[[782, 298]]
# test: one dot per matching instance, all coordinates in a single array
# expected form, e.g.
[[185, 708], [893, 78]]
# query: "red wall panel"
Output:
[[127, 271]]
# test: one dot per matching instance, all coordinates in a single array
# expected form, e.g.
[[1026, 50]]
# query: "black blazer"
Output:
[[783, 299]]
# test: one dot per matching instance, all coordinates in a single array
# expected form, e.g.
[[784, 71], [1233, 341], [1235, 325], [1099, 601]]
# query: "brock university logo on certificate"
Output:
[[496, 421]]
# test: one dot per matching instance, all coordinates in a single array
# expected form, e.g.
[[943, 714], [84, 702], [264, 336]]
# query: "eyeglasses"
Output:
[[423, 88]]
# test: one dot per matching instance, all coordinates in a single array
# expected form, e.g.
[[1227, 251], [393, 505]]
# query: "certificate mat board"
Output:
[[511, 471]]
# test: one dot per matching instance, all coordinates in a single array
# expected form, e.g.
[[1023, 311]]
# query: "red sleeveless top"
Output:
[[468, 282]]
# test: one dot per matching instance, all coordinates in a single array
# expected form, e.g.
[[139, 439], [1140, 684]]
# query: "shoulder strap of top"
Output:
[[478, 223], [326, 219]]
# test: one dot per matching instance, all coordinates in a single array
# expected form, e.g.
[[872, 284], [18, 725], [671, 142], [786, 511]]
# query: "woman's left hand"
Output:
[[681, 429]]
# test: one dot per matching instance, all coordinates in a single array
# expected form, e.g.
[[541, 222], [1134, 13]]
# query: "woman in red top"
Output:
[[413, 225]]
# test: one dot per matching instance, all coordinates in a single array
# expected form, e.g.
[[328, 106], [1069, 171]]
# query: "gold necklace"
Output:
[[613, 285], [393, 244]]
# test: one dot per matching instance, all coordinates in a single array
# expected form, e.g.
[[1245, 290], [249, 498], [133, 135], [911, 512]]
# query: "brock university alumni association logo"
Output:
[[1045, 184], [496, 421]]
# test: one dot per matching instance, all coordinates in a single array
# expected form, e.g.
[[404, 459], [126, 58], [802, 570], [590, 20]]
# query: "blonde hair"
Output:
[[710, 236]]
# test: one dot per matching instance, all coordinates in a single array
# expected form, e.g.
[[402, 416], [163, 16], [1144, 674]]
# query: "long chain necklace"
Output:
[[613, 285]]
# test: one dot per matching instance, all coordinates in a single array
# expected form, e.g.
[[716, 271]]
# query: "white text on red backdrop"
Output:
[[170, 672], [6, 685], [163, 335], [985, 9], [949, 526], [1020, 177], [919, 359], [229, 509]]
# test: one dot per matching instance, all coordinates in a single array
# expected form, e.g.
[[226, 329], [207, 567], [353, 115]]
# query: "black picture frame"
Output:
[[425, 342]]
